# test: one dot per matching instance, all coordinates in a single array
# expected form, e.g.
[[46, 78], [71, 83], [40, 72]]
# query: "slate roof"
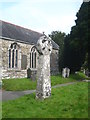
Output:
[[18, 33]]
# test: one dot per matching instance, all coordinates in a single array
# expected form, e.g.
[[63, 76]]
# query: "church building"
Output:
[[18, 55]]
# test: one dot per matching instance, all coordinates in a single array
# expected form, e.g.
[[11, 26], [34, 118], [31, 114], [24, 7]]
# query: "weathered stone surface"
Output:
[[19, 72], [32, 74], [22, 68], [65, 72], [54, 62], [44, 48], [6, 74]]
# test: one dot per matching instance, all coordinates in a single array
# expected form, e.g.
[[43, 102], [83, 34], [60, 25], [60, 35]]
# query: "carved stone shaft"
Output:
[[43, 72]]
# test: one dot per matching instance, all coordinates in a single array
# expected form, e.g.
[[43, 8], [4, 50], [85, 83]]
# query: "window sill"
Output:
[[33, 68], [13, 69]]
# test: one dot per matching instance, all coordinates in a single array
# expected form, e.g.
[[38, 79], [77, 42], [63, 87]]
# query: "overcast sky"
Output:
[[41, 15]]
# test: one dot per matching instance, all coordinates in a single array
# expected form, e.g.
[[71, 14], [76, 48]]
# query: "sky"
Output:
[[41, 15]]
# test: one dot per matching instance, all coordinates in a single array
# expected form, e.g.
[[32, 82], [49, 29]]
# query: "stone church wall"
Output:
[[54, 62], [0, 58], [21, 72], [15, 73]]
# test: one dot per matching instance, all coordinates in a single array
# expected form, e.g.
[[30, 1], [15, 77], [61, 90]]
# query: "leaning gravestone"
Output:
[[44, 48]]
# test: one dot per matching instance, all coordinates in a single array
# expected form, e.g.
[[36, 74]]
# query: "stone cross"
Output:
[[44, 48]]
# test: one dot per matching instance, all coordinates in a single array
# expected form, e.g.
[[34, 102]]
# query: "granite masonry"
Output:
[[65, 72], [19, 58], [44, 48]]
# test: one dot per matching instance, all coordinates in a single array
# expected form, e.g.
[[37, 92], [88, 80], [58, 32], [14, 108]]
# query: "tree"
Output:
[[74, 48], [76, 43], [59, 37]]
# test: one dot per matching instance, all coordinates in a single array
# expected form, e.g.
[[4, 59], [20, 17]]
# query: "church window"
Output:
[[16, 58], [13, 55], [30, 60], [33, 58], [9, 58], [12, 58]]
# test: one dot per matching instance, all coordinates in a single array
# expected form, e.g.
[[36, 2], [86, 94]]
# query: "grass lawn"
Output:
[[27, 84], [65, 102]]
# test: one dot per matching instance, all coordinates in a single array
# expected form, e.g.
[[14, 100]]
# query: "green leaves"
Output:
[[76, 45], [59, 37]]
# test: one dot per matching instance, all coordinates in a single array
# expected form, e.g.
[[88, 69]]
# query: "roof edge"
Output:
[[20, 41], [21, 27], [5, 38]]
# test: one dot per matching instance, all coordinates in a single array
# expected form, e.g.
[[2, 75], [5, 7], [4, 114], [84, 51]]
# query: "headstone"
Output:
[[87, 73], [76, 72], [28, 73], [84, 71], [31, 74], [44, 48], [65, 72]]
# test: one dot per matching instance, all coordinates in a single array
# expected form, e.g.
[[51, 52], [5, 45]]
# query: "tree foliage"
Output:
[[76, 43], [74, 47], [59, 37]]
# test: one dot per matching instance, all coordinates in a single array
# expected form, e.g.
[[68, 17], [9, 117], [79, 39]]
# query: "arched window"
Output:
[[13, 55], [35, 59], [16, 62], [9, 58], [33, 56], [13, 58]]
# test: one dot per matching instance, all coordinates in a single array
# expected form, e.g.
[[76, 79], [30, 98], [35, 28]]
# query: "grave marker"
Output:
[[44, 48]]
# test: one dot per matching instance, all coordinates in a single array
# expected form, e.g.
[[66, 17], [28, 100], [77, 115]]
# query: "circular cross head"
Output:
[[44, 45]]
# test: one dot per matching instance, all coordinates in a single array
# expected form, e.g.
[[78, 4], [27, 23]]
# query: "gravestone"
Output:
[[31, 74], [28, 73], [87, 73], [84, 71], [65, 72], [44, 48]]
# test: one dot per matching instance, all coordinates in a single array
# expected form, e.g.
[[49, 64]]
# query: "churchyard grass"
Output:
[[27, 84], [18, 84], [73, 77], [65, 102]]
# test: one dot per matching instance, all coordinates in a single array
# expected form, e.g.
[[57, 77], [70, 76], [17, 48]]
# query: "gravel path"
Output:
[[11, 95]]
